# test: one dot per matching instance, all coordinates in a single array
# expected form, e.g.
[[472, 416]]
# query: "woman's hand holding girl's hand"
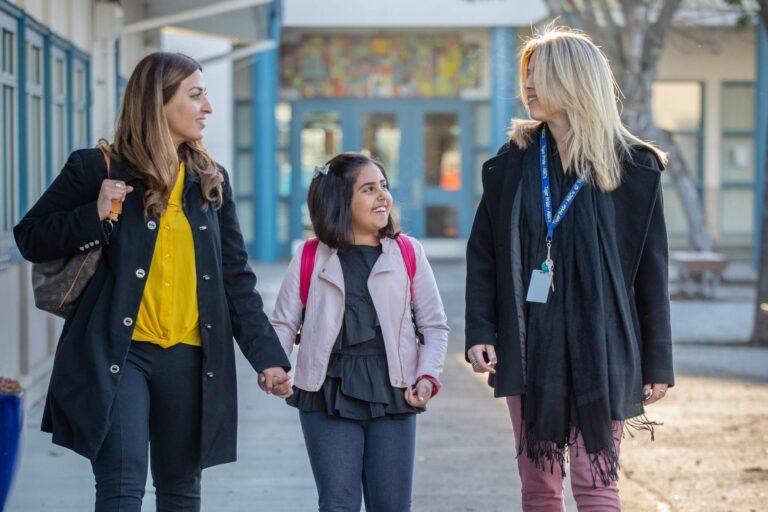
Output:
[[482, 358], [419, 395], [112, 191], [275, 381]]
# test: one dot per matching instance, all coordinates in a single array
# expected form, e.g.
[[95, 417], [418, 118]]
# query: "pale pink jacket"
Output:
[[388, 284]]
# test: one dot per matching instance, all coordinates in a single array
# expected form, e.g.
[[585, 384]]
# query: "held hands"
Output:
[[654, 392], [482, 358], [274, 381], [112, 191], [419, 395]]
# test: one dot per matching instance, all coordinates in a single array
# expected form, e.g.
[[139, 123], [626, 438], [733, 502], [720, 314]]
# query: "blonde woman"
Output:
[[146, 357], [567, 304]]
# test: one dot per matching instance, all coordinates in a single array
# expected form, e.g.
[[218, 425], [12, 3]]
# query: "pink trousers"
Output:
[[543, 490]]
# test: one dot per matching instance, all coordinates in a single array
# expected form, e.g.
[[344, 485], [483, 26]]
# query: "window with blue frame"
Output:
[[9, 121], [243, 171], [59, 108], [80, 101], [44, 110], [35, 115], [678, 106], [737, 191]]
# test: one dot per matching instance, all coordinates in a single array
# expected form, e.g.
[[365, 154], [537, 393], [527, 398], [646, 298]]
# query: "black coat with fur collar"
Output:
[[642, 242]]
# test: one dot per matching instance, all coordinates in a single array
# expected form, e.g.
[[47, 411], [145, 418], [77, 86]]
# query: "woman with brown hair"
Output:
[[146, 357]]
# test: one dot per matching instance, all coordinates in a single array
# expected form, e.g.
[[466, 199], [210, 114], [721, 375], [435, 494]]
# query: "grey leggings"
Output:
[[157, 404], [351, 459]]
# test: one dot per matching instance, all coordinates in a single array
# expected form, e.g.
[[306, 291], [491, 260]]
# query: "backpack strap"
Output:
[[308, 253], [409, 258]]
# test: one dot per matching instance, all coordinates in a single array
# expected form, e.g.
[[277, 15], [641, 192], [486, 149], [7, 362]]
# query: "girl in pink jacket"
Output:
[[364, 368]]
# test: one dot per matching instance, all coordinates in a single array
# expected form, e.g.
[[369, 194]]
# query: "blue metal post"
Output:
[[761, 135], [264, 140], [504, 77]]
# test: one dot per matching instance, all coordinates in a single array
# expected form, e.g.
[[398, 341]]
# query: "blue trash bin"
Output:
[[11, 420]]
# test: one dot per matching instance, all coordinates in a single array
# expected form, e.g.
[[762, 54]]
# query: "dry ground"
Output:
[[710, 455]]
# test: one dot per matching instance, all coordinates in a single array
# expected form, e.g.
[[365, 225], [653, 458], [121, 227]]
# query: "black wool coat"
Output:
[[97, 335], [642, 242]]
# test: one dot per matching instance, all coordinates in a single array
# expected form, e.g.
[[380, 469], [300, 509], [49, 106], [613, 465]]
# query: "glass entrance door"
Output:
[[422, 145]]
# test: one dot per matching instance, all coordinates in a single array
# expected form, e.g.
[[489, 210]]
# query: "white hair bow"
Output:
[[321, 169]]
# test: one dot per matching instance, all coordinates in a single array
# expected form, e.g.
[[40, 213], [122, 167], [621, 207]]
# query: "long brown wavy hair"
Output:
[[143, 139]]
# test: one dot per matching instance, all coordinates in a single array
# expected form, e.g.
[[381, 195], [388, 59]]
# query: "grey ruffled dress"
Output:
[[357, 382]]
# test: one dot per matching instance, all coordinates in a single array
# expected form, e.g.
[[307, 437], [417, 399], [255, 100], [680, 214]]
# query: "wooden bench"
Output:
[[700, 272]]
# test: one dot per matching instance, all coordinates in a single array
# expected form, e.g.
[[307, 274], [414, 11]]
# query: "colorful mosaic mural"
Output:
[[379, 67]]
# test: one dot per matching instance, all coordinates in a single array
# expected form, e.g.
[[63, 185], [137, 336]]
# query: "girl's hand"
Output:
[[419, 395], [654, 392], [482, 358], [112, 191], [275, 381]]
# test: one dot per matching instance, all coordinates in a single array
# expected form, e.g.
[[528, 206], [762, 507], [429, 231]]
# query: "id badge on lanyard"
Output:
[[542, 279]]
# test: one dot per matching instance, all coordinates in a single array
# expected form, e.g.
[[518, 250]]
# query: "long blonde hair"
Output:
[[572, 74], [143, 139]]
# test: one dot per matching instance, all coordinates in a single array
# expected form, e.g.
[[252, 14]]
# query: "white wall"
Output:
[[412, 13]]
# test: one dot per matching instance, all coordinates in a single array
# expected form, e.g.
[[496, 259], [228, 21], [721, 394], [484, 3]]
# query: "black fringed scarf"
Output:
[[582, 358]]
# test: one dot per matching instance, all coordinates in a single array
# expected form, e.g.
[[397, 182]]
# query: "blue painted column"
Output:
[[761, 134], [264, 142], [504, 78]]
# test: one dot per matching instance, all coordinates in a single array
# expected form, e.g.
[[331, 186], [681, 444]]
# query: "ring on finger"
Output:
[[472, 361], [662, 392]]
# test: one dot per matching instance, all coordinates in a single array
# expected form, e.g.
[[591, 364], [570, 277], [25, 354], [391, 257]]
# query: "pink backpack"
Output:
[[309, 251]]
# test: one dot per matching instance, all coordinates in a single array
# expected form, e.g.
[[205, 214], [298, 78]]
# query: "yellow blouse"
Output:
[[168, 313]]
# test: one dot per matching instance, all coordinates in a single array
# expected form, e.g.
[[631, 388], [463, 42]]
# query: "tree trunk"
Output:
[[698, 235]]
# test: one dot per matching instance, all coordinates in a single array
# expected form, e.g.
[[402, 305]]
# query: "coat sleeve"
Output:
[[286, 316], [651, 288], [430, 316], [480, 317], [65, 220], [250, 325]]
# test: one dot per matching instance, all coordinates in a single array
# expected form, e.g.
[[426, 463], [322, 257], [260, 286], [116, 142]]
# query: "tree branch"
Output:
[[654, 38], [763, 11], [613, 46]]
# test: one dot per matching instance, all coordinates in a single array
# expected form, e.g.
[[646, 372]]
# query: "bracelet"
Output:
[[434, 381]]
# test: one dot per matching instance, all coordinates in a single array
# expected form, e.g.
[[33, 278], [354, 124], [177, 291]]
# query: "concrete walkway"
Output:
[[465, 457]]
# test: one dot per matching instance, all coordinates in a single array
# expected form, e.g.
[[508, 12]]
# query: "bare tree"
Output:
[[632, 35]]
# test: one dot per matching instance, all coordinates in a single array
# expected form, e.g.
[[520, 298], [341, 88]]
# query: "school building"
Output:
[[426, 87]]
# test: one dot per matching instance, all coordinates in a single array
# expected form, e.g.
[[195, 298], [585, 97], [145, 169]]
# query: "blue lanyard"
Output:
[[546, 195]]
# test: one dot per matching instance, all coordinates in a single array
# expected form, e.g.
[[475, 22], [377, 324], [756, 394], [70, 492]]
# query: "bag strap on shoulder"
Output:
[[308, 253], [106, 157], [409, 257]]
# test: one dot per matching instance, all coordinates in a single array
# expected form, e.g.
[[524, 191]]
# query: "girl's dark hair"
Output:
[[330, 198]]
